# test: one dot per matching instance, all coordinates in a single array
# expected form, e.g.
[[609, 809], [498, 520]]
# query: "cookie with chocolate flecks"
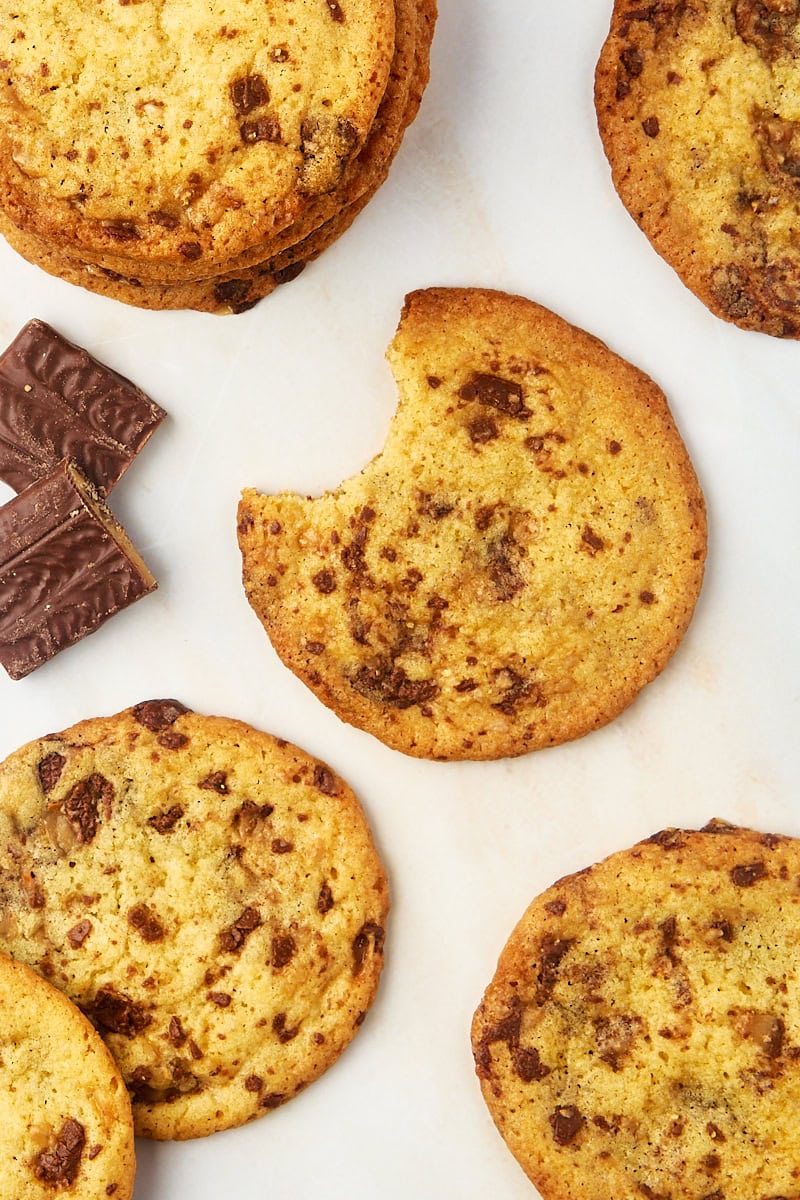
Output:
[[520, 560], [152, 166], [227, 259], [697, 106], [642, 1027], [208, 895], [67, 1129]]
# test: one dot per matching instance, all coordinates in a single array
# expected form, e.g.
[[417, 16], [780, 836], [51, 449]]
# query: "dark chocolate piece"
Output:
[[57, 402], [66, 565]]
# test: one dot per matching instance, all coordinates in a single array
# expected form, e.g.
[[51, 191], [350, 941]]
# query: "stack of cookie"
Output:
[[173, 161]]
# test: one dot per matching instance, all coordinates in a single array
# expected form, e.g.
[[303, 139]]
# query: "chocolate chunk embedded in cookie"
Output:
[[67, 1129], [211, 898], [520, 560], [642, 1026], [698, 111]]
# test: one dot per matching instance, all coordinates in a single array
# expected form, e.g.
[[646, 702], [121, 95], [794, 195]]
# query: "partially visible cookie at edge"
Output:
[[642, 1025], [209, 895], [522, 557], [67, 1129], [697, 110]]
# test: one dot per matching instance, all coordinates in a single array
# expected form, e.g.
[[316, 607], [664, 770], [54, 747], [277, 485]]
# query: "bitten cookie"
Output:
[[209, 895], [520, 560], [642, 1027], [67, 1129], [697, 106]]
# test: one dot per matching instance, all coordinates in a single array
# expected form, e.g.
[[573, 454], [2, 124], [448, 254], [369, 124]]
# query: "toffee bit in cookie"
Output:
[[482, 430]]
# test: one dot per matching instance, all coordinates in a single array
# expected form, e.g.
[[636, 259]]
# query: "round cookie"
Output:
[[238, 290], [697, 106], [67, 1128], [209, 895], [519, 561], [186, 138], [365, 171], [642, 1028]]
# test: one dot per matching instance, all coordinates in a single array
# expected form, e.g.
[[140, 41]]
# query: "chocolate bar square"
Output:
[[58, 402], [66, 566]]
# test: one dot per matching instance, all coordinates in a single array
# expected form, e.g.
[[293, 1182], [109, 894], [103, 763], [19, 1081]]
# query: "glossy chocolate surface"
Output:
[[57, 401]]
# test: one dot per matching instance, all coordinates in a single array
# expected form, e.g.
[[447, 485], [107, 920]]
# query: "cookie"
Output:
[[642, 1026], [190, 138], [520, 560], [233, 290], [414, 22], [697, 110], [67, 1127], [209, 895], [234, 256]]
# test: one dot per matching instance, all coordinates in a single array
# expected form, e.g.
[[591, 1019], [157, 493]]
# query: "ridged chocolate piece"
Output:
[[66, 565], [57, 402]]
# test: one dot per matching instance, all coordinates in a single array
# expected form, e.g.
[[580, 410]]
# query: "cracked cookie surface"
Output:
[[183, 132], [698, 105], [67, 1128], [642, 1026], [211, 898], [519, 561]]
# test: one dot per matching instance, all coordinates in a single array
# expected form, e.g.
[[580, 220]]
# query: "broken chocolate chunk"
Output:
[[283, 950], [389, 684], [325, 780], [236, 934], [368, 931], [156, 715], [260, 129], [59, 1166], [746, 874], [56, 402], [248, 93], [165, 821], [566, 1123], [117, 1013], [66, 566], [49, 770], [503, 394], [146, 923], [81, 805]]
